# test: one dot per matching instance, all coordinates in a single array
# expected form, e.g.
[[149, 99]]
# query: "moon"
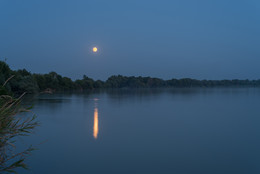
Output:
[[94, 49]]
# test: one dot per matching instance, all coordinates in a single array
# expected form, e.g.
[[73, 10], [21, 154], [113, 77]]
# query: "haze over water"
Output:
[[191, 131]]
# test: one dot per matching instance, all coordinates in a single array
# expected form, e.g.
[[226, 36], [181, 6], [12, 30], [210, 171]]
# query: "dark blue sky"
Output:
[[200, 39]]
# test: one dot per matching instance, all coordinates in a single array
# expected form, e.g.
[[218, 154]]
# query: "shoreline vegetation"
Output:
[[24, 81], [13, 124]]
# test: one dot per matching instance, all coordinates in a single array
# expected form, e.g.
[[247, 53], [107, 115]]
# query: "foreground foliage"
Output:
[[13, 125]]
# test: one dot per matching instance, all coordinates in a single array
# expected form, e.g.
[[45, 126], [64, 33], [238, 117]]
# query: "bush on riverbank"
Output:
[[13, 125]]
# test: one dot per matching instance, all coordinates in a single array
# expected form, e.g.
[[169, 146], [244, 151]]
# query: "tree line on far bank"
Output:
[[24, 81]]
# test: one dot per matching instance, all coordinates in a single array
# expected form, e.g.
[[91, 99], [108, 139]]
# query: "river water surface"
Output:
[[164, 131]]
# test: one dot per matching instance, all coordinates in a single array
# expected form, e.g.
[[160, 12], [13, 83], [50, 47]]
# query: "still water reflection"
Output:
[[185, 131], [95, 127], [95, 124]]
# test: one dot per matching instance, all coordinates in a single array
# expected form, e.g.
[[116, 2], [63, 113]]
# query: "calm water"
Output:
[[189, 131]]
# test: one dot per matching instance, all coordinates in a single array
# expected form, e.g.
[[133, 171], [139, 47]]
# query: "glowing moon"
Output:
[[94, 49]]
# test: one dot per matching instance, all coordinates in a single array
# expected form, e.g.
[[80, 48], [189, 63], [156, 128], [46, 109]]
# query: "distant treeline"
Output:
[[24, 81]]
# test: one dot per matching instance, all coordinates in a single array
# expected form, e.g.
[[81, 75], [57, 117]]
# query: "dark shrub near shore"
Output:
[[12, 125]]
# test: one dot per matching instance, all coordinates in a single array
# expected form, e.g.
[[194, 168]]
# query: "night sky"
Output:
[[200, 39]]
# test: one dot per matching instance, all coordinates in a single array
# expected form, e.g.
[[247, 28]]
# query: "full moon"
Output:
[[94, 49]]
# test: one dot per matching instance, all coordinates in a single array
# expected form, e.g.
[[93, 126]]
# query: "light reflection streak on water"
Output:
[[95, 126]]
